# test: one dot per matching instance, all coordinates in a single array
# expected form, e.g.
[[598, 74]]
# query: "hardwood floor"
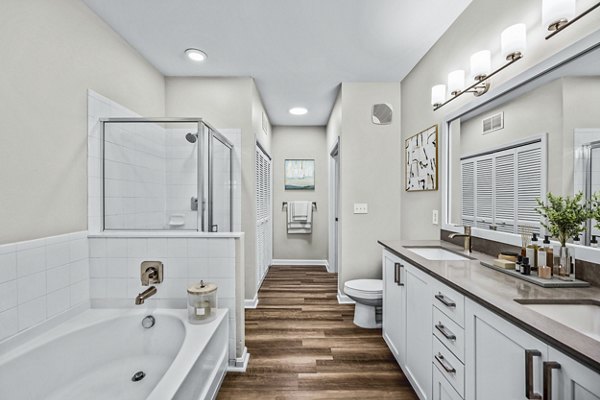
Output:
[[303, 345]]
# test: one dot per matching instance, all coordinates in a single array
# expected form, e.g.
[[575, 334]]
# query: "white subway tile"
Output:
[[176, 268], [32, 312], [221, 267], [8, 295], [31, 244], [57, 302], [116, 288], [79, 271], [79, 249], [198, 247], [8, 267], [80, 292], [116, 268], [177, 247], [157, 248], [198, 268], [31, 261], [57, 254], [98, 268], [116, 247], [221, 248], [9, 323], [97, 247], [58, 278], [31, 287], [98, 288], [137, 247]]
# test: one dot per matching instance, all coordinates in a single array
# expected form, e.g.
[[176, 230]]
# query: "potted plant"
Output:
[[564, 218]]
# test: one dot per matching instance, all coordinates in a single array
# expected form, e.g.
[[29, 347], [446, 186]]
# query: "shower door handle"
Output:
[[194, 203]]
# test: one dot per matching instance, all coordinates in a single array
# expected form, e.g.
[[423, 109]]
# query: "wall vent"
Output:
[[493, 123]]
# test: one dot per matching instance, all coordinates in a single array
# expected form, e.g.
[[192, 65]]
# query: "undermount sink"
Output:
[[583, 316], [438, 254]]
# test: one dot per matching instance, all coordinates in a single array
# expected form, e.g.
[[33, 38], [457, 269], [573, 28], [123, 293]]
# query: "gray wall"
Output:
[[300, 142], [452, 51], [52, 52]]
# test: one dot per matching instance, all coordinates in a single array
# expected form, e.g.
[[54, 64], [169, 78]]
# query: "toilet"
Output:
[[368, 294]]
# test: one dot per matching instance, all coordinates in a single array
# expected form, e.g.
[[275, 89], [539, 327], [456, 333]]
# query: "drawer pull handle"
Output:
[[548, 367], [445, 364], [396, 272], [399, 274], [529, 391], [445, 331], [445, 300]]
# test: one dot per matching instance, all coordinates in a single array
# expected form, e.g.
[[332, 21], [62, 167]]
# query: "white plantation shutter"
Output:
[[504, 191], [264, 224], [468, 192], [500, 189], [484, 196], [529, 185]]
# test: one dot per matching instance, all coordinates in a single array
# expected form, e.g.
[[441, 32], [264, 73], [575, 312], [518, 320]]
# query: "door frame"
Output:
[[334, 207]]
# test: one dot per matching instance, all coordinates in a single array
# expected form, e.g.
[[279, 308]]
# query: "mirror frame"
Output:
[[507, 91]]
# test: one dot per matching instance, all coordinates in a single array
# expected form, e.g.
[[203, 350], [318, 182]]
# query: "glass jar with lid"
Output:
[[202, 302]]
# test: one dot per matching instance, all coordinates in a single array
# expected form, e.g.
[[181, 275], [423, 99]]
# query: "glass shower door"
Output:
[[219, 186]]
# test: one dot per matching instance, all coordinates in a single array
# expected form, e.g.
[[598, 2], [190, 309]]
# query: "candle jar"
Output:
[[202, 302]]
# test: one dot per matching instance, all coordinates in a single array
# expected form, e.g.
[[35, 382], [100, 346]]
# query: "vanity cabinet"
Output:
[[569, 380], [394, 306]]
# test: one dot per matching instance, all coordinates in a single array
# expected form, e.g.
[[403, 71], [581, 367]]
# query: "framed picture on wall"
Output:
[[299, 174], [421, 152]]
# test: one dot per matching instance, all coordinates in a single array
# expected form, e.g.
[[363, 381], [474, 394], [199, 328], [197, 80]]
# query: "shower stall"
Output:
[[166, 174]]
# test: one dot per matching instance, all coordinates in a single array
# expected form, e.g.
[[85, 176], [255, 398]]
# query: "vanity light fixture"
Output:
[[298, 110], [559, 14], [514, 43], [196, 55]]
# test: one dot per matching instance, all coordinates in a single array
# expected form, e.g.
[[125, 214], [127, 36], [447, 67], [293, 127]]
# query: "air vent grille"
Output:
[[493, 123]]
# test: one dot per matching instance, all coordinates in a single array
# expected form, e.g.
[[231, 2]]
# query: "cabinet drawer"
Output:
[[450, 302], [450, 366], [449, 333], [442, 389]]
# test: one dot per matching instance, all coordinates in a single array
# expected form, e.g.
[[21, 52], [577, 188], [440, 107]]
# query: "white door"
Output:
[[334, 196], [264, 214], [570, 380], [394, 308], [418, 331], [503, 362]]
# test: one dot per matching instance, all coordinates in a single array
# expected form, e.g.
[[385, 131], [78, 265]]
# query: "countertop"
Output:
[[497, 292]]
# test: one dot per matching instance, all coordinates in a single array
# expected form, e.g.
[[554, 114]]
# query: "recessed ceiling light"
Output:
[[196, 55], [298, 110]]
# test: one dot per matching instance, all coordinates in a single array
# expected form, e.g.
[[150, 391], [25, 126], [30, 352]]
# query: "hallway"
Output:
[[303, 345]]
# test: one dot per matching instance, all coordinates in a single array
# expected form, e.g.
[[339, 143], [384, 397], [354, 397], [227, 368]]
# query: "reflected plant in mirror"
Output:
[[564, 217]]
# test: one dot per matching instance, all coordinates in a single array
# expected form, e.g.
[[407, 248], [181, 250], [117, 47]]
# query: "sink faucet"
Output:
[[467, 235], [140, 298]]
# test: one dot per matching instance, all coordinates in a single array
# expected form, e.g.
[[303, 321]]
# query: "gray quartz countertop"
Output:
[[497, 292]]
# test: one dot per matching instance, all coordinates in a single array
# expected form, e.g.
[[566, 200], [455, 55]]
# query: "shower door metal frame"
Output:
[[201, 127], [214, 134], [587, 170]]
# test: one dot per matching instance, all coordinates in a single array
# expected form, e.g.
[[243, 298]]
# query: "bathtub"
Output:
[[95, 354]]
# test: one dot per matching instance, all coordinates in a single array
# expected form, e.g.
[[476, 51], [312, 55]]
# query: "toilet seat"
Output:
[[368, 289]]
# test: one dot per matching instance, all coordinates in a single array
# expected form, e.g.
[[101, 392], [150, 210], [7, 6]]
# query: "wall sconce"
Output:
[[513, 41], [559, 14]]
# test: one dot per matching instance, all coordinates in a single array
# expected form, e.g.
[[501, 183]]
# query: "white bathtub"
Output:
[[95, 354]]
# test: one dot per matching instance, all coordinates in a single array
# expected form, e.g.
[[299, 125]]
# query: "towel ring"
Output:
[[285, 203]]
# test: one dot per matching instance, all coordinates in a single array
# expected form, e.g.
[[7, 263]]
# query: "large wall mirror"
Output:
[[541, 135]]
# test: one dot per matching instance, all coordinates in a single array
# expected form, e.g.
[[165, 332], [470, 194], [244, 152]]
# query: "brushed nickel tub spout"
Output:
[[140, 298]]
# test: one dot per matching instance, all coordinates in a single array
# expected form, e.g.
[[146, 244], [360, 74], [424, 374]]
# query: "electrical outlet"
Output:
[[434, 217], [361, 208]]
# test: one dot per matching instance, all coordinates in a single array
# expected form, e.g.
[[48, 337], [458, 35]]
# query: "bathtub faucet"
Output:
[[140, 298]]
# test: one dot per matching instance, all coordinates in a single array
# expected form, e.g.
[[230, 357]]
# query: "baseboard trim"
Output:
[[239, 364], [323, 263], [252, 303], [343, 299]]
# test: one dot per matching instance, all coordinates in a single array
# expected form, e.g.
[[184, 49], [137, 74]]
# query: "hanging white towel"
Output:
[[299, 217]]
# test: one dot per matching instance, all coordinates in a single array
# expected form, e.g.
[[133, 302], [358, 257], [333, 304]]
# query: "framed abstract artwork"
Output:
[[421, 151], [299, 174]]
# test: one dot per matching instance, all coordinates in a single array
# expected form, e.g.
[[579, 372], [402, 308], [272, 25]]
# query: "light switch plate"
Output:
[[361, 208], [434, 217]]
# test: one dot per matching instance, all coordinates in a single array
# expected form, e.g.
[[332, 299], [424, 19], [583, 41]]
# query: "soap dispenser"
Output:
[[594, 241], [532, 251]]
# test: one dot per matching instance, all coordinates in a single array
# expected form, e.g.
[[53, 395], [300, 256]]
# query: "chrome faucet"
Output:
[[467, 235], [140, 298]]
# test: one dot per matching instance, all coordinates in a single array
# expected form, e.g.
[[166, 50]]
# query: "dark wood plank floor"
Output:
[[303, 345]]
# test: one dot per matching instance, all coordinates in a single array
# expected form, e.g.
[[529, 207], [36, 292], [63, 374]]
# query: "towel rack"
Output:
[[285, 203]]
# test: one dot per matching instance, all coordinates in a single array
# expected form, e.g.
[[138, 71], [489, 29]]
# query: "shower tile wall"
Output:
[[40, 279], [182, 177]]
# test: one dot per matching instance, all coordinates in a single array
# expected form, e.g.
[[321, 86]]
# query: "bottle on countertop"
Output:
[[525, 267], [576, 240], [532, 251], [594, 241], [542, 259], [549, 252], [519, 263]]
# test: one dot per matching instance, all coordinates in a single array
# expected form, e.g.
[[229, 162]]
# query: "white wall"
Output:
[[370, 163], [452, 51], [300, 142], [53, 51]]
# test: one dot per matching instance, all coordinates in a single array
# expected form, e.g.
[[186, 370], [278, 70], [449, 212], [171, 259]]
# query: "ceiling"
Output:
[[298, 51]]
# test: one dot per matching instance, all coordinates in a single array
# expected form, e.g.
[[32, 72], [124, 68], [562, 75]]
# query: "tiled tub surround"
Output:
[[41, 279], [115, 260], [496, 291]]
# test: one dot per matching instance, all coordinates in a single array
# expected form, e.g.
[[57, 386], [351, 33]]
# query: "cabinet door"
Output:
[[418, 331], [572, 381], [394, 306], [442, 390], [503, 362]]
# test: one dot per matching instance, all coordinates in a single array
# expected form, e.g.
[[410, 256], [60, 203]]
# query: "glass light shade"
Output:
[[514, 41], [481, 63], [195, 55], [553, 11], [456, 81], [438, 94]]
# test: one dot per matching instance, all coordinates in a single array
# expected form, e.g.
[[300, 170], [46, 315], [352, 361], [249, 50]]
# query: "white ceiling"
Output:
[[298, 51]]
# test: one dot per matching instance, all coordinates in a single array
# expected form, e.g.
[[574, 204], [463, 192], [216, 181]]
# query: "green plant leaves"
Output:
[[564, 217]]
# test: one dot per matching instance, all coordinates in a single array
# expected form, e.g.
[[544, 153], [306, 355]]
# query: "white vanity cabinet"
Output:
[[394, 306], [569, 380]]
